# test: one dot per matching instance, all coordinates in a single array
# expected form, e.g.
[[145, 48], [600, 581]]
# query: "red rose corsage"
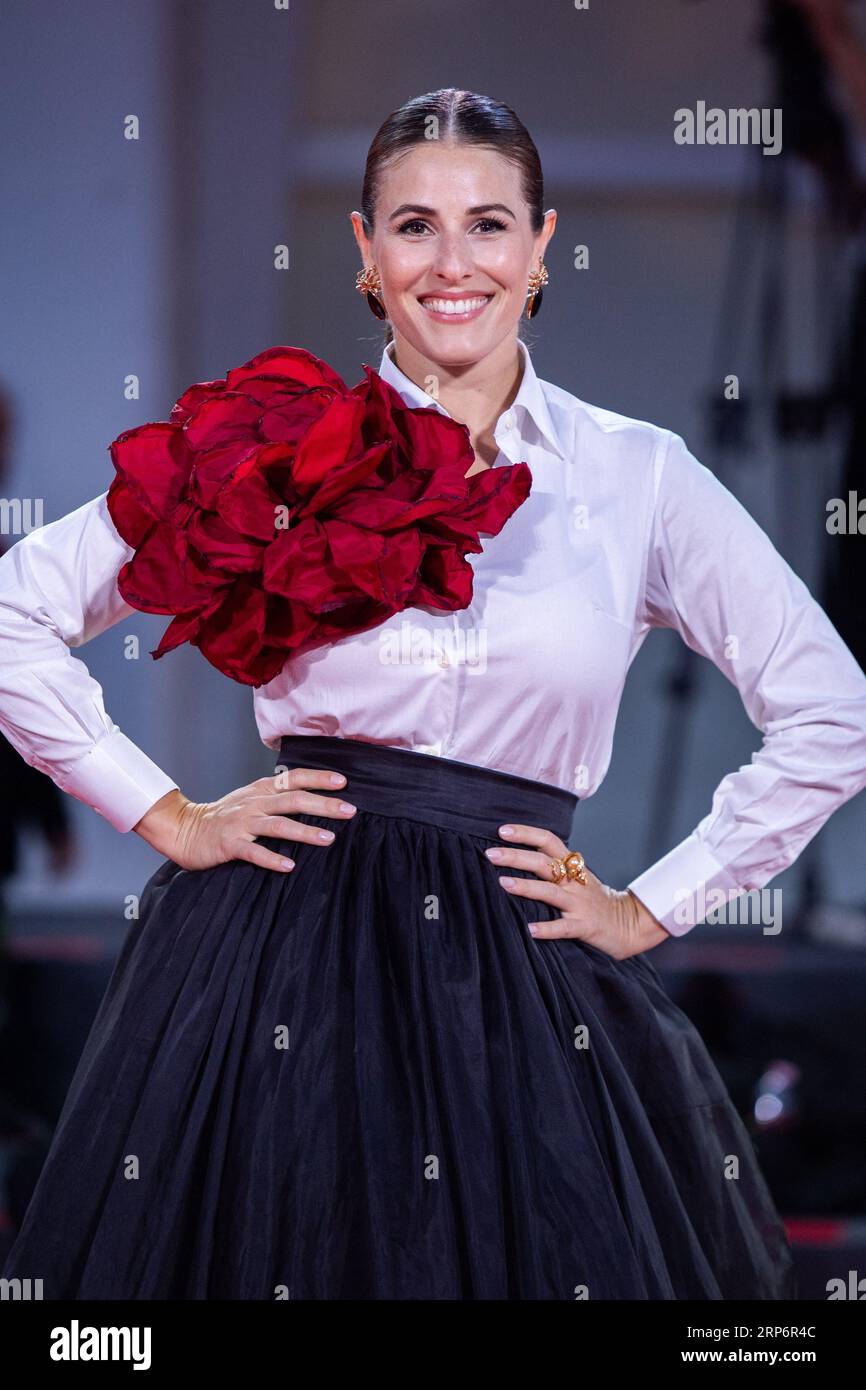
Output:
[[278, 510]]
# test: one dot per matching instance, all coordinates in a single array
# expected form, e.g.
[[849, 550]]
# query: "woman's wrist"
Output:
[[649, 926], [162, 825]]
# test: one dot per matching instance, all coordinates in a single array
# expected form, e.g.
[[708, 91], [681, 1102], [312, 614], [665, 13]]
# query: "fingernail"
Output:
[[506, 829], [326, 834], [493, 853], [533, 928], [347, 806], [287, 863], [507, 882], [337, 779]]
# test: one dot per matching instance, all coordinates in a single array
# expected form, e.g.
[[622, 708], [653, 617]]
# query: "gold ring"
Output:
[[558, 869], [575, 867]]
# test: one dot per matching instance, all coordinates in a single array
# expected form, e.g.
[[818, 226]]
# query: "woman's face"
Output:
[[454, 247]]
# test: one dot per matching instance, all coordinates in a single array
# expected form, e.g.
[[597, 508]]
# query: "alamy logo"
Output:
[[758, 906], [20, 1290], [855, 1288], [737, 126], [77, 1343], [846, 519], [20, 515], [416, 645]]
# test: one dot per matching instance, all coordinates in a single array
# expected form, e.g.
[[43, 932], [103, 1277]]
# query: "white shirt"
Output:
[[623, 530]]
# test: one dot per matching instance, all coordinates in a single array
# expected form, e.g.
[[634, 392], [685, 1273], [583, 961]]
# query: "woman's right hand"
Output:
[[199, 835]]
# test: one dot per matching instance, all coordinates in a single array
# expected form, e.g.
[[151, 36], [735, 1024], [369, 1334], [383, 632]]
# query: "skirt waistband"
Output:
[[422, 786]]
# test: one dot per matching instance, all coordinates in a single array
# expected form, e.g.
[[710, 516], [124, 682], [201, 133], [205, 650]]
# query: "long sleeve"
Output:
[[714, 575], [58, 589]]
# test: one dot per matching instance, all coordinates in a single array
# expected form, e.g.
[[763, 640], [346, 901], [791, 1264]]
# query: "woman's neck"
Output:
[[476, 394]]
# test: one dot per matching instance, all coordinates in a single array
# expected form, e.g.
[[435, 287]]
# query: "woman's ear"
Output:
[[546, 232], [361, 237]]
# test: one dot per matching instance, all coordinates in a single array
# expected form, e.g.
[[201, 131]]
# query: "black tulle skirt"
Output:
[[364, 1079]]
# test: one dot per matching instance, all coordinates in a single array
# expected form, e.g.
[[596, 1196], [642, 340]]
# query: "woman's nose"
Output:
[[453, 260]]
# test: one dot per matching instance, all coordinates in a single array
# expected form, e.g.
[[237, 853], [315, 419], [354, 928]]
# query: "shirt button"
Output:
[[444, 660], [509, 420], [433, 748]]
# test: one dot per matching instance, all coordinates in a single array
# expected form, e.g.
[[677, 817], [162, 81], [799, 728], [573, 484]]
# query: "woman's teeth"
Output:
[[455, 306]]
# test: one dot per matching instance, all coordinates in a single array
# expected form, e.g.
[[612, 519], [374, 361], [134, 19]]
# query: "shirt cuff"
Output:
[[117, 779], [677, 888]]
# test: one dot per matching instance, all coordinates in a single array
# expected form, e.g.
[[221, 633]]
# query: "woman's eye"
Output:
[[486, 224]]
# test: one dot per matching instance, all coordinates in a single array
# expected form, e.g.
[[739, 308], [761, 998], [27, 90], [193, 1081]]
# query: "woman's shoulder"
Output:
[[612, 434]]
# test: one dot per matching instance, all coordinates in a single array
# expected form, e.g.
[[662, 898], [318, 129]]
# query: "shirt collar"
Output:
[[529, 399]]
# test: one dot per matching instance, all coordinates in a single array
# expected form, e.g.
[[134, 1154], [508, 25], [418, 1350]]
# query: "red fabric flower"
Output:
[[278, 510]]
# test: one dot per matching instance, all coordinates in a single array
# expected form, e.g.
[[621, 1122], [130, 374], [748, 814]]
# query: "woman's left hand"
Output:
[[612, 919]]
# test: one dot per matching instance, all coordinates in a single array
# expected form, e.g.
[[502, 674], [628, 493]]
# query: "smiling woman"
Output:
[[428, 1056], [457, 305], [452, 227]]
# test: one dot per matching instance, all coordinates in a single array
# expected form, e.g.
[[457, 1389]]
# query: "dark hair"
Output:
[[465, 118]]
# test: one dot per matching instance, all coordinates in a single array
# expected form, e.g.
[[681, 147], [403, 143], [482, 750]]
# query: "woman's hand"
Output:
[[612, 919], [198, 835]]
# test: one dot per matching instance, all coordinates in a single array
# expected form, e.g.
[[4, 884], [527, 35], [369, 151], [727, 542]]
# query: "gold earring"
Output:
[[537, 279], [367, 282]]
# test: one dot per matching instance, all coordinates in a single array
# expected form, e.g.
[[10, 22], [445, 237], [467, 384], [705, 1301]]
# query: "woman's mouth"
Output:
[[448, 309]]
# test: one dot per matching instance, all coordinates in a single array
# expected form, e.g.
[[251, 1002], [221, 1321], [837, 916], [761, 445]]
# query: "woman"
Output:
[[430, 1057]]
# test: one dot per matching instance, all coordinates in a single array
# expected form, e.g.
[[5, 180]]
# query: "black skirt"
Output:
[[364, 1079]]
